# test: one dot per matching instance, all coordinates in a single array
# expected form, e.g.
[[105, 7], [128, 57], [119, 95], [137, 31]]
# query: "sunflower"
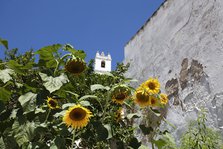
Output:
[[152, 86], [120, 93], [142, 98], [77, 117], [163, 98], [52, 103], [75, 66], [154, 101]]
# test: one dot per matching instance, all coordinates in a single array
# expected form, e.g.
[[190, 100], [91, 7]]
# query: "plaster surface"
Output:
[[182, 45]]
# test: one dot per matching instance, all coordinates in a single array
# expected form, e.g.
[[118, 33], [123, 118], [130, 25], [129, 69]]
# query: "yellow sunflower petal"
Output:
[[152, 86], [154, 101], [142, 98], [77, 117], [163, 98]]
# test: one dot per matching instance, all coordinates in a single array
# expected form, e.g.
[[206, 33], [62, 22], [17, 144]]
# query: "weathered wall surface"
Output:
[[182, 44]]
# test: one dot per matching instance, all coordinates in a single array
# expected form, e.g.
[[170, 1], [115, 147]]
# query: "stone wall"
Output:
[[182, 45]]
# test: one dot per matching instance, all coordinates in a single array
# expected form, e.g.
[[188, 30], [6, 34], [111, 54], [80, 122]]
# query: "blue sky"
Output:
[[90, 25]]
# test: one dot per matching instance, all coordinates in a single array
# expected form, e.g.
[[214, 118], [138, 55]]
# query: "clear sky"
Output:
[[90, 25]]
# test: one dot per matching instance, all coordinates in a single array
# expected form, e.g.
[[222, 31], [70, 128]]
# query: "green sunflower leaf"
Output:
[[19, 68], [160, 143], [23, 133], [64, 106], [108, 127], [4, 43], [46, 55], [77, 53], [2, 144], [88, 96], [155, 111], [53, 84], [99, 86], [145, 130], [134, 143], [2, 106], [28, 102], [4, 94], [5, 75], [133, 115], [59, 142], [14, 113], [143, 147], [58, 114], [101, 131], [85, 103], [108, 74]]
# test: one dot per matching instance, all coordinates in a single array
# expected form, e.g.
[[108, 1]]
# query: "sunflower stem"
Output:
[[106, 106], [59, 62], [47, 115], [57, 66], [74, 134], [172, 125]]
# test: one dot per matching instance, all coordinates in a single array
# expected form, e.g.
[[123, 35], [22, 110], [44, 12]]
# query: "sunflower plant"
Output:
[[58, 101]]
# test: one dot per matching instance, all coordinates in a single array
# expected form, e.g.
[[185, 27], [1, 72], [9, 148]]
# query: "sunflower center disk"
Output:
[[52, 103], [153, 101], [77, 114], [120, 97], [142, 97], [151, 86], [76, 67]]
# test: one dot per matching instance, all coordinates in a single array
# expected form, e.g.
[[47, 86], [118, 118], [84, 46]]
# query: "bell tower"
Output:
[[102, 63]]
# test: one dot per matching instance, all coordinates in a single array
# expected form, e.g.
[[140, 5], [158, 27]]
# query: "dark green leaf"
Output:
[[134, 143], [4, 94], [145, 130], [46, 55], [2, 106], [18, 68], [101, 131], [2, 144], [59, 142], [77, 53]]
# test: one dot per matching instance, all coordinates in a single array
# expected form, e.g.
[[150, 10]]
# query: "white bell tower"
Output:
[[102, 63]]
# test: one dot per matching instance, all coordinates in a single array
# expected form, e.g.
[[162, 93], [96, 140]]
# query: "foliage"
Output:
[[199, 136], [59, 102]]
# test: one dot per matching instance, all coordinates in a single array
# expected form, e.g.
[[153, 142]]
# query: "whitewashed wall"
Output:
[[182, 44]]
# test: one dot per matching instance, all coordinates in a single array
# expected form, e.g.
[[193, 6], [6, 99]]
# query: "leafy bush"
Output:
[[59, 102], [199, 136]]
